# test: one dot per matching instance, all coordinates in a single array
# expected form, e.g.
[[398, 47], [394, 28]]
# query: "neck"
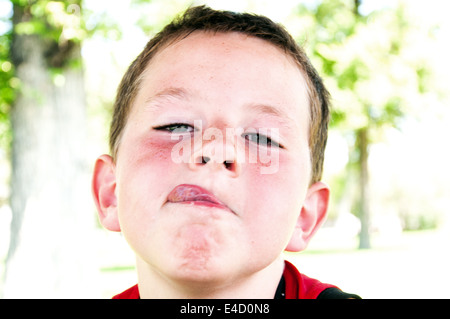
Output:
[[259, 285]]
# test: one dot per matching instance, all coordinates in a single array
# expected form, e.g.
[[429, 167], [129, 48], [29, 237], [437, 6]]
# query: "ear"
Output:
[[312, 216], [104, 192]]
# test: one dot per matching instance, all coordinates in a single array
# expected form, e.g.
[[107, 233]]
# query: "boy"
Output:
[[217, 143]]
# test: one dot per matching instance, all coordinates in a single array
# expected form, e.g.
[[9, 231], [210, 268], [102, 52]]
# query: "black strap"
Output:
[[336, 293], [329, 293], [281, 289]]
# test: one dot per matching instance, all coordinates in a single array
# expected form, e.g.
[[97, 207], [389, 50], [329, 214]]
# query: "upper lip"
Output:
[[190, 193]]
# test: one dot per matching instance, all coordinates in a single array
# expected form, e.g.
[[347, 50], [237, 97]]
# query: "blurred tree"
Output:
[[372, 78], [7, 85], [48, 180]]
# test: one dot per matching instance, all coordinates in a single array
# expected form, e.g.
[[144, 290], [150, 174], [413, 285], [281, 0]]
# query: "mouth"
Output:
[[194, 195]]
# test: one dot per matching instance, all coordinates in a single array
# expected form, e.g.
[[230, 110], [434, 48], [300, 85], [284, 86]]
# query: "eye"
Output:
[[176, 128], [261, 139]]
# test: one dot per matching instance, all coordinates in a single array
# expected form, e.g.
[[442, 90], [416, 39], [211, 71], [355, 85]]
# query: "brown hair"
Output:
[[202, 18]]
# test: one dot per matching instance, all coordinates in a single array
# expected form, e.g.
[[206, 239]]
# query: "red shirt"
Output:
[[297, 286]]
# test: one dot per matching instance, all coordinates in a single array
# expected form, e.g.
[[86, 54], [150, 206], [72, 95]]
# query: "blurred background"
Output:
[[385, 63]]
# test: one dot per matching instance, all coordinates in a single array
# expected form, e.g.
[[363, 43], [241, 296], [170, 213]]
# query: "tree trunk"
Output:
[[49, 184], [364, 208]]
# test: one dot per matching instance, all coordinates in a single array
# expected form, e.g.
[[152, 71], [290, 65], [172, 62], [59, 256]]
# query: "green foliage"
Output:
[[7, 90], [364, 60], [154, 15], [376, 72], [60, 24], [56, 20], [335, 20]]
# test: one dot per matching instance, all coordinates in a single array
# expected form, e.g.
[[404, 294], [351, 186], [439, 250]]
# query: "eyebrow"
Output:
[[265, 109], [171, 92], [182, 94]]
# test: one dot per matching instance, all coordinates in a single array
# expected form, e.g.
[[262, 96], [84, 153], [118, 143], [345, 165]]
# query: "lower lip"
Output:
[[203, 203]]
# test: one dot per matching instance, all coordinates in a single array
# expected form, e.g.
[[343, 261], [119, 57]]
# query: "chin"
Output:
[[198, 274], [198, 264]]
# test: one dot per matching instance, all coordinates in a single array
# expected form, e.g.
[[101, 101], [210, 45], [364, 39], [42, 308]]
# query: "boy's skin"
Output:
[[226, 80]]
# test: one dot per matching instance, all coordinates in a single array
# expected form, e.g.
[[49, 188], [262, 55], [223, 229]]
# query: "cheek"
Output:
[[152, 152], [276, 194], [163, 151], [274, 200], [276, 173], [142, 168], [146, 161]]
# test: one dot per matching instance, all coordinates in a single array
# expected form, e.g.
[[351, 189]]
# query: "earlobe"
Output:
[[312, 216], [104, 192]]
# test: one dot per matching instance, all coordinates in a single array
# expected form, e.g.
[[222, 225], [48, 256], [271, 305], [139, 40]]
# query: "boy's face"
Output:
[[216, 82]]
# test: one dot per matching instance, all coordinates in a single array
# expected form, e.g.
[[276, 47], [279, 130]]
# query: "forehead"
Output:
[[223, 50], [230, 67]]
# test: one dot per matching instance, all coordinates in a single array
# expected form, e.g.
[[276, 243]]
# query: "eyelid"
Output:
[[165, 127], [272, 142], [270, 139]]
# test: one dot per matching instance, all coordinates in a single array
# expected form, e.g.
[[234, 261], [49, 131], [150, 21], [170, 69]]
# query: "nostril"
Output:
[[229, 165], [205, 159]]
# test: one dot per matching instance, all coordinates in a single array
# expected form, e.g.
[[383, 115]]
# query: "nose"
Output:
[[230, 165], [217, 154]]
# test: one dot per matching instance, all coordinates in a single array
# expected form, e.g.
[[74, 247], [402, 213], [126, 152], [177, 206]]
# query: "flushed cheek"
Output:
[[146, 164], [152, 151], [143, 169]]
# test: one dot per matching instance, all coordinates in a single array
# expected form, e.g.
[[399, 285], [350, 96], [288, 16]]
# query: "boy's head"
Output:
[[205, 19], [215, 219]]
